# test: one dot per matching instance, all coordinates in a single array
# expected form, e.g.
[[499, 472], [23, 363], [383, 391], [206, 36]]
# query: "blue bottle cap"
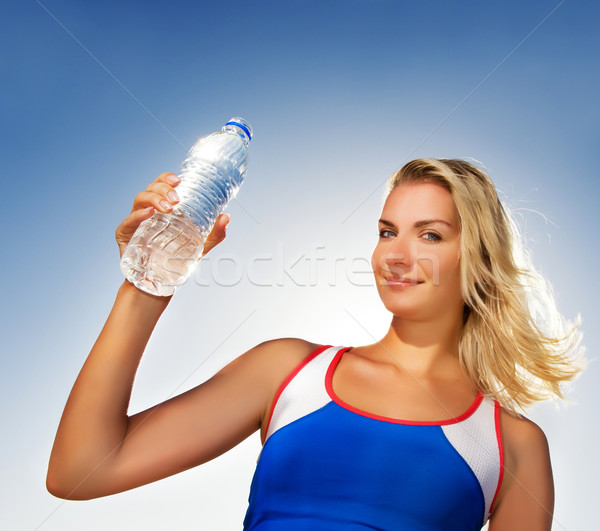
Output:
[[244, 125]]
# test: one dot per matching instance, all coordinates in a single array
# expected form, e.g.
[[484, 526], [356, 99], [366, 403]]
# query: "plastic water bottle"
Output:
[[165, 248]]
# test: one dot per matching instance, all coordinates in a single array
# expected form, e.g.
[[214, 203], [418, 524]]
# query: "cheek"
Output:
[[450, 273], [440, 268]]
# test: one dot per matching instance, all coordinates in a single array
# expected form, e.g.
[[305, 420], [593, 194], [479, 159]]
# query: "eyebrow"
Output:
[[418, 224]]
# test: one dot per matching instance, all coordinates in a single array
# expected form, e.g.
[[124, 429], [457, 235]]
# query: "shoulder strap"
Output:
[[303, 391]]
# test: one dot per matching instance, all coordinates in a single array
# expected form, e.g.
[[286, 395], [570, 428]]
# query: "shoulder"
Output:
[[282, 352], [526, 496], [521, 437], [263, 367], [274, 359]]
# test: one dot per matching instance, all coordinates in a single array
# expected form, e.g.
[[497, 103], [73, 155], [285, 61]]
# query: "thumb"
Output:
[[226, 220], [217, 234]]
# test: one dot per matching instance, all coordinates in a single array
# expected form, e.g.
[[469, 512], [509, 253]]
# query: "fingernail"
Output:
[[173, 197], [173, 179], [165, 205]]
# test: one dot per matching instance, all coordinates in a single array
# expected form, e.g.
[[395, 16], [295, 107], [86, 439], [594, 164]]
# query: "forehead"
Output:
[[420, 201]]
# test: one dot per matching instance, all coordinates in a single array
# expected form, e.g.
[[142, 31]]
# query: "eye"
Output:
[[383, 233], [432, 236]]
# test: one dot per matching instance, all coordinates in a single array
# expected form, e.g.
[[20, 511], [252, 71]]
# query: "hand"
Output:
[[161, 195]]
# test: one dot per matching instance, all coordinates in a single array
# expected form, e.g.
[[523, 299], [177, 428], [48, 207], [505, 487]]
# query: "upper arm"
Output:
[[202, 423], [526, 499]]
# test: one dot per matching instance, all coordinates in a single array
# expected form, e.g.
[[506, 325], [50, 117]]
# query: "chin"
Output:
[[403, 311]]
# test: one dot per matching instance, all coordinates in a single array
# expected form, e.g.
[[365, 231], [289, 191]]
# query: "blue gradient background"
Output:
[[340, 94]]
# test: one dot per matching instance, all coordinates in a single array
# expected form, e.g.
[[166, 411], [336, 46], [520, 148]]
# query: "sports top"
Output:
[[327, 466]]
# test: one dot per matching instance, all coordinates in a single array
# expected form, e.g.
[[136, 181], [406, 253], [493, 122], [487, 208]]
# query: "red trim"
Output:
[[500, 450], [290, 377], [329, 386]]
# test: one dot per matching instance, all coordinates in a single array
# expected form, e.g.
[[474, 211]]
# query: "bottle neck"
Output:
[[239, 128]]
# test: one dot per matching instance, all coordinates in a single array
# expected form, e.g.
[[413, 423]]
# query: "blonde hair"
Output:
[[515, 345]]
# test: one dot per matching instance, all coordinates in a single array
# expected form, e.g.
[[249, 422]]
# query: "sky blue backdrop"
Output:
[[97, 99]]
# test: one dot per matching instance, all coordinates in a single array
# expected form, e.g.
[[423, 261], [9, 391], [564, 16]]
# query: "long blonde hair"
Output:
[[515, 345]]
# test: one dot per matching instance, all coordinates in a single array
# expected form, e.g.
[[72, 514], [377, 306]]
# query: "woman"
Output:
[[416, 431]]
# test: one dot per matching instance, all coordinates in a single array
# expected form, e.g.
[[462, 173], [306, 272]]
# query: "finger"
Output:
[[217, 234], [163, 186], [165, 190], [169, 178], [161, 203], [131, 222]]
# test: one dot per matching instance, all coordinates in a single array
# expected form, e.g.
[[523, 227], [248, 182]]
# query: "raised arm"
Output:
[[99, 449]]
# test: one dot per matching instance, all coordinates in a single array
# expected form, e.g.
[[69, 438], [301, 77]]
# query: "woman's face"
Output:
[[416, 260]]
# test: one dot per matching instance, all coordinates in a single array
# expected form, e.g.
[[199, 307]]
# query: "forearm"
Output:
[[94, 422]]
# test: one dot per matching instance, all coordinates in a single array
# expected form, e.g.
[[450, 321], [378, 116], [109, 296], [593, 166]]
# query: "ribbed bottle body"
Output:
[[162, 253]]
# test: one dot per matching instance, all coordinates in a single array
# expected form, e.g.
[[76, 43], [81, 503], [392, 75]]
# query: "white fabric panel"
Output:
[[305, 393], [475, 440]]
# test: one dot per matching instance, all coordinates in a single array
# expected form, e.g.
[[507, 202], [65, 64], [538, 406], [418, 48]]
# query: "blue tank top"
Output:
[[326, 466]]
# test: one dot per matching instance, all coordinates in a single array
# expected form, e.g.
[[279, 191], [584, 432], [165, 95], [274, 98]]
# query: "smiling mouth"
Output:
[[401, 282]]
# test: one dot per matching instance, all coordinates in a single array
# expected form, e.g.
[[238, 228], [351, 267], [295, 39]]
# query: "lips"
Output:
[[401, 281]]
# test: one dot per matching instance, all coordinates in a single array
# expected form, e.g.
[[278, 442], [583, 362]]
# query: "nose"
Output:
[[399, 256]]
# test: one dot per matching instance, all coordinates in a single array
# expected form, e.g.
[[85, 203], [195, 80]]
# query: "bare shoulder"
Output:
[[268, 363], [277, 357], [520, 434], [526, 496], [523, 440]]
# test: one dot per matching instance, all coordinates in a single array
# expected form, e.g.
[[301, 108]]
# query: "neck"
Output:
[[426, 349]]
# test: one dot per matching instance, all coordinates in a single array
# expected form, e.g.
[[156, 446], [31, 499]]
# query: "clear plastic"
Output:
[[165, 249]]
